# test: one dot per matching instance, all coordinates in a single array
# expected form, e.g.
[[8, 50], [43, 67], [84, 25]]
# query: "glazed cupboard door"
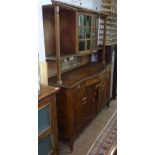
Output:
[[84, 32], [44, 119], [94, 33], [47, 126], [87, 29]]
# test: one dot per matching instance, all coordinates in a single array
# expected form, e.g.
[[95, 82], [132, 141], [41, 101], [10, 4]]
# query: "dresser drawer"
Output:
[[92, 81]]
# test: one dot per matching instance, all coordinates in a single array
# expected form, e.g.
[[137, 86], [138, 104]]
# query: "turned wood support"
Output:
[[57, 43]]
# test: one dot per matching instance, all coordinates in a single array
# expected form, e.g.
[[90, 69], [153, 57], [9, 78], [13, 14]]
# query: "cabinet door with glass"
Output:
[[47, 126], [87, 32], [94, 33], [84, 32]]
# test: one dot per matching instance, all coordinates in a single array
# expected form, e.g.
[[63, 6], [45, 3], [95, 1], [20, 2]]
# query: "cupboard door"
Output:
[[102, 93], [80, 105], [95, 33], [84, 32], [90, 105], [47, 126], [84, 106], [96, 98], [108, 84]]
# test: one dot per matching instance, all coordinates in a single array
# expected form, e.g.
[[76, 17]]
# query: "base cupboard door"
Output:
[[108, 84], [90, 106], [102, 96], [81, 99]]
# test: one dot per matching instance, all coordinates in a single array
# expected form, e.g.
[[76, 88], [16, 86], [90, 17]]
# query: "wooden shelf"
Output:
[[63, 56]]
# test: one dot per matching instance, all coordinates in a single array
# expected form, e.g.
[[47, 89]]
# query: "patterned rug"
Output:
[[106, 143]]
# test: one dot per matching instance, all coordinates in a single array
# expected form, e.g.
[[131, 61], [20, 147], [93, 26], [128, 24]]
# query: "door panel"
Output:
[[80, 102], [102, 93], [84, 106]]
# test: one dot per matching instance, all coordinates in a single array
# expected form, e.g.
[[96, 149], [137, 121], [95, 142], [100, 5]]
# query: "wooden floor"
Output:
[[89, 135]]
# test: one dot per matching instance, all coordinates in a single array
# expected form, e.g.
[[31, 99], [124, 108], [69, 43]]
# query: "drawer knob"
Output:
[[85, 98]]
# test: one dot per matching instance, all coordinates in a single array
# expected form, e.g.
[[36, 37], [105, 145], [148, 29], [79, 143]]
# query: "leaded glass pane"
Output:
[[81, 20], [88, 44], [89, 21], [88, 32], [82, 45], [81, 33], [95, 22]]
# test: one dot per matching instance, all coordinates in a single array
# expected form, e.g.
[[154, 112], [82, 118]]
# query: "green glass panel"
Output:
[[95, 22], [88, 32], [81, 20], [88, 20], [85, 19], [82, 45], [81, 33], [88, 44]]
